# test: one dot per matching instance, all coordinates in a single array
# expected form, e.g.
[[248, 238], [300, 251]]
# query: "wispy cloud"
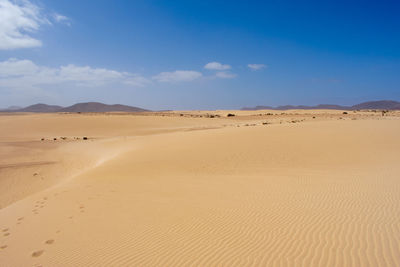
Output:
[[19, 20], [178, 76], [225, 75], [16, 73], [217, 66], [25, 74], [256, 66], [62, 19]]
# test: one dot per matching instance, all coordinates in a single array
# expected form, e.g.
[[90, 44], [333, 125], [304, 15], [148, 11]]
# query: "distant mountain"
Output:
[[330, 106], [40, 108], [100, 107], [13, 108], [287, 107], [383, 104], [80, 107], [10, 108], [258, 108]]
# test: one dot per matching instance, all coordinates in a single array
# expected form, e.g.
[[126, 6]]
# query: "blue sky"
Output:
[[198, 54]]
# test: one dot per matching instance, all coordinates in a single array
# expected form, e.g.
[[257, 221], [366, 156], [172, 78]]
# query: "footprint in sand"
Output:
[[20, 218], [3, 247], [6, 234], [5, 230], [37, 253], [50, 241]]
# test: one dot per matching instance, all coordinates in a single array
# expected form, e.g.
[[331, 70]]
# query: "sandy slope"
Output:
[[317, 192]]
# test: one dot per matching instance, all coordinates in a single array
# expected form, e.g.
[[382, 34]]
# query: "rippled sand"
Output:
[[168, 189]]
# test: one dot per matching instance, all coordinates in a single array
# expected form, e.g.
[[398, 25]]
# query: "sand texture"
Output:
[[198, 188]]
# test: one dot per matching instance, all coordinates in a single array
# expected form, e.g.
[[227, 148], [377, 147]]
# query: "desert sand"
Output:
[[198, 188]]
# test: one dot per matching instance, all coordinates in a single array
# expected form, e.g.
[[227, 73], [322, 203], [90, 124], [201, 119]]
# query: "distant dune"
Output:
[[80, 107], [383, 104]]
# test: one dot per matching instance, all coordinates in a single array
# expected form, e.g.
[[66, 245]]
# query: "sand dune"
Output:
[[168, 189]]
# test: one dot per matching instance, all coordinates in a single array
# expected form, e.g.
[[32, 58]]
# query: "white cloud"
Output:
[[25, 74], [16, 73], [217, 66], [225, 75], [88, 76], [178, 76], [256, 66], [16, 22], [62, 19], [19, 20], [15, 68]]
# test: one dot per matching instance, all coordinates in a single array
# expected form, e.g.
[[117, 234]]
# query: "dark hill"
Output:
[[80, 107], [39, 108], [287, 107], [100, 107], [383, 104]]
